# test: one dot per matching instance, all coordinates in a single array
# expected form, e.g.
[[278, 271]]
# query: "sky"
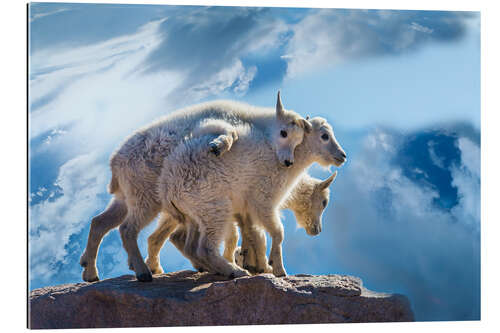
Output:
[[400, 88]]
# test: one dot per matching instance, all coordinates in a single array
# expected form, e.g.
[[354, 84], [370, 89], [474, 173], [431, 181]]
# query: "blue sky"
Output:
[[401, 89]]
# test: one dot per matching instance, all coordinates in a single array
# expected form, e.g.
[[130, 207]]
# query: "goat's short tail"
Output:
[[113, 185]]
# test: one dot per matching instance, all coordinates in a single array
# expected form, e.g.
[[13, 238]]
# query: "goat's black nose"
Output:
[[288, 163], [343, 154]]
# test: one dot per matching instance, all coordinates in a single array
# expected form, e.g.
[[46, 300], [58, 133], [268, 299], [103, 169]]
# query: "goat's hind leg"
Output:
[[185, 239], [111, 218], [166, 225], [129, 231]]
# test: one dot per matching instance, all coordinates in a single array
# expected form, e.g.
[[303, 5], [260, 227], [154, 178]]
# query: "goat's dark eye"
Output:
[[325, 137], [283, 134], [324, 203]]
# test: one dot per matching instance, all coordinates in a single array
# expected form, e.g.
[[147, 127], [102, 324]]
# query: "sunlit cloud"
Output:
[[330, 36], [400, 238]]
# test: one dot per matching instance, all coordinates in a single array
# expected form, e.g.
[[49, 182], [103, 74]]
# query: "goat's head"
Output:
[[310, 215], [323, 144], [288, 133]]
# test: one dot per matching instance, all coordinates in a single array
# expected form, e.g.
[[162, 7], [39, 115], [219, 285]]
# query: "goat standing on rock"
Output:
[[248, 181], [307, 200], [137, 165]]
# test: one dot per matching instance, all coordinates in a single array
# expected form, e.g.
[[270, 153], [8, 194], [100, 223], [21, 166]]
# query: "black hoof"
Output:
[[232, 276], [250, 268], [146, 277], [214, 149], [94, 280]]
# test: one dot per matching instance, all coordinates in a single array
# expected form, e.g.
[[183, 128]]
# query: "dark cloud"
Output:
[[426, 158], [230, 48], [385, 227], [201, 42], [403, 233], [204, 40], [329, 35]]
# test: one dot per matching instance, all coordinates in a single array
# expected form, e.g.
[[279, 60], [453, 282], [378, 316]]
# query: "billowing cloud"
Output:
[[329, 36], [83, 101], [91, 100], [407, 234], [203, 42], [53, 222]]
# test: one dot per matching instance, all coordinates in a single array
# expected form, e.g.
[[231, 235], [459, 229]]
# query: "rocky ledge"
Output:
[[188, 298]]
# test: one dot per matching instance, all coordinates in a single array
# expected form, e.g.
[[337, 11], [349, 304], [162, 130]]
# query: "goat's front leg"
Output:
[[253, 245], [223, 142], [129, 231], [225, 132], [230, 242], [212, 226], [274, 227]]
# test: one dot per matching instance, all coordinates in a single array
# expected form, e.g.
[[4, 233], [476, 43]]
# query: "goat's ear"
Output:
[[280, 111], [307, 125], [325, 183]]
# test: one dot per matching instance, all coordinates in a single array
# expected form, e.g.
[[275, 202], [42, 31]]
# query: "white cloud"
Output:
[[466, 178], [96, 95], [36, 16], [398, 239], [327, 36], [98, 87], [101, 102], [437, 160], [421, 28], [52, 223], [244, 79], [471, 155]]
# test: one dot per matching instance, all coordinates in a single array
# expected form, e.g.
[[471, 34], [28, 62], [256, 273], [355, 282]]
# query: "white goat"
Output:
[[248, 181], [307, 200], [137, 164]]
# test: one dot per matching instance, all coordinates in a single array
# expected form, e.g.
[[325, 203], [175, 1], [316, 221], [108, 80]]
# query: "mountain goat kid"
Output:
[[137, 164], [307, 200], [247, 181]]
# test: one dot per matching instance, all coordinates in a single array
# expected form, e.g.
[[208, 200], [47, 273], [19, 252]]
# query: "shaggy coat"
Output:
[[307, 201], [137, 164], [247, 183]]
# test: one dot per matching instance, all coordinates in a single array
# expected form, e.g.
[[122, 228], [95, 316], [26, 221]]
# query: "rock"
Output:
[[188, 298]]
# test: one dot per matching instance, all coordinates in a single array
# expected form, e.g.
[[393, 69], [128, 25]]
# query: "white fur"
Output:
[[137, 164], [307, 200], [247, 182]]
